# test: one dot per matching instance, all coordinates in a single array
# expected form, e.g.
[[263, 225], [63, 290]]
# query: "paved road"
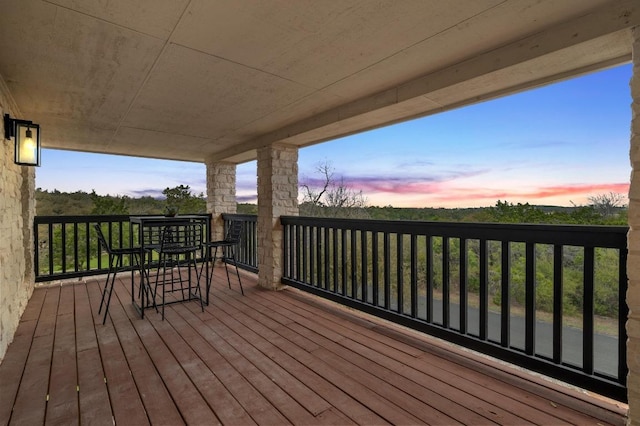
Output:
[[605, 347]]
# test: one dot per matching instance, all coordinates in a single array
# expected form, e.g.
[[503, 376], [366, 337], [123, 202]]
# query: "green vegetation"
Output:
[[502, 212], [58, 203], [180, 200]]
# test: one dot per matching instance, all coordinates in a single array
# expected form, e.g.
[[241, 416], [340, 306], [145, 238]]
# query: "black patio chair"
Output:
[[115, 255], [178, 247], [228, 246]]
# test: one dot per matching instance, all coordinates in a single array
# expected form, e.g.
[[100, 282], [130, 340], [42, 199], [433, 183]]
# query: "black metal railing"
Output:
[[549, 298], [67, 246], [247, 252]]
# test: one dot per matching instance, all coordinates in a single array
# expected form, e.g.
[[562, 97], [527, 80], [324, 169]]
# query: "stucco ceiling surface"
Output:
[[200, 79]]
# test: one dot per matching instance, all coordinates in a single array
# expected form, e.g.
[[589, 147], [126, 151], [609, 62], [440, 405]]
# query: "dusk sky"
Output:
[[555, 145]]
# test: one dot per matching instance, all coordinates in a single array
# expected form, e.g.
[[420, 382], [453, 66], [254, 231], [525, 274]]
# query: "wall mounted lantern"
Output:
[[27, 140]]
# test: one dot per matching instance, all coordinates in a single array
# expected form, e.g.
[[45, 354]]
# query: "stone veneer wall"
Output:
[[633, 242], [17, 208], [221, 195], [277, 196]]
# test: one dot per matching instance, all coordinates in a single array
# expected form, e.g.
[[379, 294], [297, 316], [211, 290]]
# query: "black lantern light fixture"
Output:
[[27, 140]]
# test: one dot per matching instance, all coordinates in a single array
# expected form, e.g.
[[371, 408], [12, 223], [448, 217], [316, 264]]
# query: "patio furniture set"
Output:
[[167, 260]]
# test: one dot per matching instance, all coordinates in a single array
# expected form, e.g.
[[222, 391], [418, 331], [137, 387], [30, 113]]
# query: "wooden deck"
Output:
[[265, 358]]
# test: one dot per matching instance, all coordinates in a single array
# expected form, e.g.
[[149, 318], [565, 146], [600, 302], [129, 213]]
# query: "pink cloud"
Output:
[[399, 187], [427, 184], [547, 192], [439, 189], [587, 189]]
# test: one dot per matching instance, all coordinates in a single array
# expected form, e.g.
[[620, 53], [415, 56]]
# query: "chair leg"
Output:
[[199, 272], [205, 268], [188, 260], [235, 263], [109, 286], [106, 284], [162, 264], [180, 276], [213, 268], [171, 269], [198, 290], [146, 282], [144, 289], [133, 258], [143, 275], [226, 269], [164, 282], [155, 285]]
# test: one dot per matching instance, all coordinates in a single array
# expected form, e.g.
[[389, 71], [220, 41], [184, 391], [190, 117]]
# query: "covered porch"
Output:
[[264, 358], [225, 83]]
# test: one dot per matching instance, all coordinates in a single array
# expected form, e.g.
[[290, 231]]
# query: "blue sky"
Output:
[[558, 144]]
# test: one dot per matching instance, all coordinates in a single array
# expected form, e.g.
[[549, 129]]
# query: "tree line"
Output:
[[179, 198], [176, 200], [338, 201]]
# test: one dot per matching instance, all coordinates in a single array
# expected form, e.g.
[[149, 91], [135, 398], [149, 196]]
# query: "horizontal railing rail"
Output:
[[550, 298], [67, 246], [247, 252]]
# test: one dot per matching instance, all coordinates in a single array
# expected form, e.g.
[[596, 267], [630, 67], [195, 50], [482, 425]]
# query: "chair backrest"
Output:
[[152, 236], [182, 237], [234, 233], [101, 239]]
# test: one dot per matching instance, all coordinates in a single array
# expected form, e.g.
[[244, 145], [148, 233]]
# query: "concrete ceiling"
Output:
[[203, 79]]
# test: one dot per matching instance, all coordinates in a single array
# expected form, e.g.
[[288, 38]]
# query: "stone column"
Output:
[[221, 195], [633, 242], [277, 196], [17, 210]]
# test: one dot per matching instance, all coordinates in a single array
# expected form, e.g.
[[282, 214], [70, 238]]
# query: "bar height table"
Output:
[[149, 231]]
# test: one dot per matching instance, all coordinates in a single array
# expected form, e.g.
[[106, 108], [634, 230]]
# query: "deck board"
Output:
[[31, 399], [257, 394], [92, 389], [334, 335], [157, 400], [305, 383], [190, 404], [347, 365], [452, 378], [350, 385], [352, 360], [265, 358], [226, 408], [125, 401], [62, 405], [13, 364]]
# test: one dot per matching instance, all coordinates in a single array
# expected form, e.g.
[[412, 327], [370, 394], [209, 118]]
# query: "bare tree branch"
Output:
[[331, 198], [607, 204]]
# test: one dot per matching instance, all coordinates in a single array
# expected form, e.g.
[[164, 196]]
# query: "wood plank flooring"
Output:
[[267, 358]]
